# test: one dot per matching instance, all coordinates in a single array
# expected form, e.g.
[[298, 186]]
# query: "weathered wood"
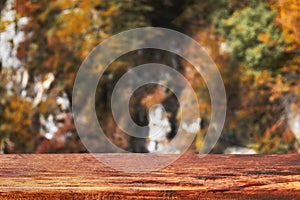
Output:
[[81, 176]]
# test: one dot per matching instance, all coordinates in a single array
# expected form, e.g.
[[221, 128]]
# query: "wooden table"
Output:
[[82, 176]]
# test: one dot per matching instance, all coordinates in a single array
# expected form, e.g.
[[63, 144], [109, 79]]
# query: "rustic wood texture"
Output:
[[81, 176]]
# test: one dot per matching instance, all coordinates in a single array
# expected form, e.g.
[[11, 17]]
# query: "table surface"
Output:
[[83, 176]]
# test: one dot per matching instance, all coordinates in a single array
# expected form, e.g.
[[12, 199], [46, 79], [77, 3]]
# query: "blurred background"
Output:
[[255, 44]]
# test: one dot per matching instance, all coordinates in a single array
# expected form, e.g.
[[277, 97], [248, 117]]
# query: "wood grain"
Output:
[[82, 176]]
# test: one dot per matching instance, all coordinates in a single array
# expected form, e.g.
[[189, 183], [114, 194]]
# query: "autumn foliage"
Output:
[[255, 44]]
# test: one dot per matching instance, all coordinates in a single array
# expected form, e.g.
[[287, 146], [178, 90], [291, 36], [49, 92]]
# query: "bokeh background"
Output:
[[255, 44]]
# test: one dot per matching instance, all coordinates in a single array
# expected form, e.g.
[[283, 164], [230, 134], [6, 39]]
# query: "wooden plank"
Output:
[[81, 176]]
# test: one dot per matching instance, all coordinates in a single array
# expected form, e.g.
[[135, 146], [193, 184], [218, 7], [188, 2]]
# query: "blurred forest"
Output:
[[255, 44]]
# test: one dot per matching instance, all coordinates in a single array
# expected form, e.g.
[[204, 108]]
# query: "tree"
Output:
[[253, 39], [254, 43], [257, 48]]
